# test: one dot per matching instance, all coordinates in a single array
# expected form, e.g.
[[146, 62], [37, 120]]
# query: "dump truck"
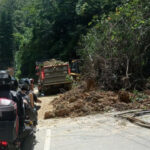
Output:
[[53, 75]]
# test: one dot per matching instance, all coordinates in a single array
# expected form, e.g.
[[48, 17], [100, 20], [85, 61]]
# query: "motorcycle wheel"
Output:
[[12, 147], [28, 143]]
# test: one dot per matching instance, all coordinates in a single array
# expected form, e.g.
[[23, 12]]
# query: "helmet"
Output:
[[14, 83], [5, 80], [24, 84], [24, 87]]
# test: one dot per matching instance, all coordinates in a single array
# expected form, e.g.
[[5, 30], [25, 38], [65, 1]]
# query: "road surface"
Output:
[[95, 132]]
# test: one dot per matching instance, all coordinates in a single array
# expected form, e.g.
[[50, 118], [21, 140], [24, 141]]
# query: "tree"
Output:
[[120, 43], [6, 40]]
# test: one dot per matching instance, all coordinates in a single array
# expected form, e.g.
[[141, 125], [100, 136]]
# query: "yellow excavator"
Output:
[[75, 69]]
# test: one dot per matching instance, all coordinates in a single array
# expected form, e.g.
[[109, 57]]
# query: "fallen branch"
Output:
[[131, 116], [139, 122]]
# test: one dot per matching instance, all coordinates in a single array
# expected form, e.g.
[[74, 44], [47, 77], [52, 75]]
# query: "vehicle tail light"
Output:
[[69, 70], [43, 74], [3, 143]]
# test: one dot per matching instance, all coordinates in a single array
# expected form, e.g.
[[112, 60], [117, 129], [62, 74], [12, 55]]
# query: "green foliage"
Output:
[[121, 36], [138, 96], [52, 29], [69, 78], [44, 29], [6, 35]]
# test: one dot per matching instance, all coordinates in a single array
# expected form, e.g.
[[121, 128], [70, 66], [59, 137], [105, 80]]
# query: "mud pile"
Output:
[[54, 62], [79, 103]]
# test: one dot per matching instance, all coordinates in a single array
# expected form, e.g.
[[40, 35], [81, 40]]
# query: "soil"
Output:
[[79, 102], [54, 62], [45, 106]]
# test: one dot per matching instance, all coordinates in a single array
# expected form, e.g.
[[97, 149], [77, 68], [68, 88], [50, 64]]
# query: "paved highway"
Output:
[[95, 132]]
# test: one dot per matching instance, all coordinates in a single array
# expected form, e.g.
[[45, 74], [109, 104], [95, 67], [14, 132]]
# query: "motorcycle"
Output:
[[9, 126]]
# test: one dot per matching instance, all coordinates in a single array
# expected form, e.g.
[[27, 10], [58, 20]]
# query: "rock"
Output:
[[124, 96], [48, 115], [62, 112], [147, 92], [90, 84]]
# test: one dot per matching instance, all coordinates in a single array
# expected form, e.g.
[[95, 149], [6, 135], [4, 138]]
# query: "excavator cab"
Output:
[[75, 69], [74, 66]]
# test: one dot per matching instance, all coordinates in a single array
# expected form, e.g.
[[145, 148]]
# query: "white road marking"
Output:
[[47, 145]]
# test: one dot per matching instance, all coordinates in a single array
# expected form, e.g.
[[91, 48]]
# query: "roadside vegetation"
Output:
[[112, 37], [117, 47]]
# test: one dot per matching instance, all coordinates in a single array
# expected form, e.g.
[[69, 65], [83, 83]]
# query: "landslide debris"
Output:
[[53, 62], [78, 102]]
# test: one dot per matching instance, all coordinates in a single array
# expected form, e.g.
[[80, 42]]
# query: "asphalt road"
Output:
[[97, 132]]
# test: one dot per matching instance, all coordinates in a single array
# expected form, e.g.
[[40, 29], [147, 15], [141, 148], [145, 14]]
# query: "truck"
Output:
[[53, 75]]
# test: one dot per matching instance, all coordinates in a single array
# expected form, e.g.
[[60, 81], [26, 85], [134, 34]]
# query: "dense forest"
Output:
[[110, 36]]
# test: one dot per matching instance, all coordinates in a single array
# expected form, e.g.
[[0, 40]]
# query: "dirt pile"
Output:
[[79, 103], [53, 62]]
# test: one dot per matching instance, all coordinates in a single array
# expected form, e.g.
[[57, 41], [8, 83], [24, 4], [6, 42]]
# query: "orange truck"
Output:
[[53, 75]]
